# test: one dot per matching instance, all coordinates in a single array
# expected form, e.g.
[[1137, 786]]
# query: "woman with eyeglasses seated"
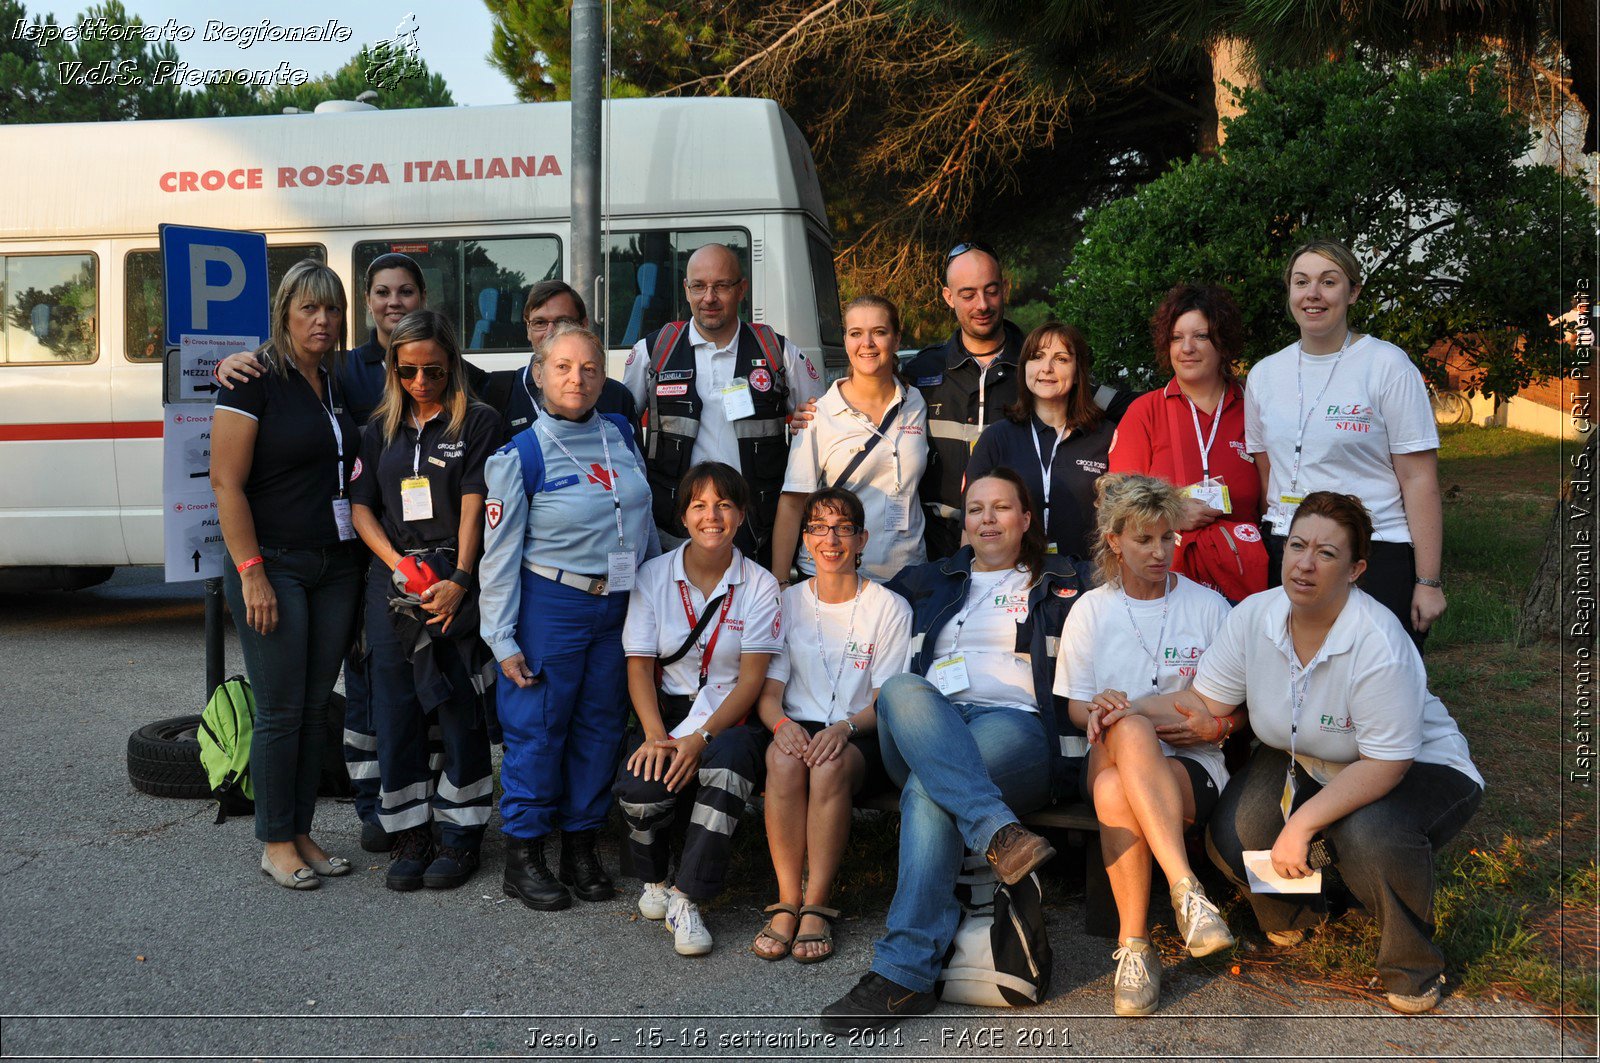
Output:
[[1356, 756], [870, 436], [418, 505], [846, 635]]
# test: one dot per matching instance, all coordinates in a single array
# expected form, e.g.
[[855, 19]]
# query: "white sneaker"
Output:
[[1136, 987], [653, 901], [689, 934], [1201, 925]]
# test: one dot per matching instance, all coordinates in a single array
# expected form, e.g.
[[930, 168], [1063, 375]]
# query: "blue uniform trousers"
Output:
[[563, 735], [454, 784], [360, 737]]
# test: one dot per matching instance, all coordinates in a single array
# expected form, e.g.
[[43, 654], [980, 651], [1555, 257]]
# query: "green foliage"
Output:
[[37, 79], [1418, 172]]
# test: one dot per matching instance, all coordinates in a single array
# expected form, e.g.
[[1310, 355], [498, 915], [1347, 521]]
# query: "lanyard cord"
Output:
[[709, 645], [955, 640], [1206, 444], [1047, 467], [1303, 412], [338, 433], [1161, 634], [610, 471], [849, 635], [416, 453]]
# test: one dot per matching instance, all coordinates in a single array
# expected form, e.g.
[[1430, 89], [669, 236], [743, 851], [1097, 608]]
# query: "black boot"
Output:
[[581, 868], [528, 879]]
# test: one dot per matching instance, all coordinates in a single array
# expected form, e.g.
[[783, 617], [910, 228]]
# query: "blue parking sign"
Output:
[[216, 282]]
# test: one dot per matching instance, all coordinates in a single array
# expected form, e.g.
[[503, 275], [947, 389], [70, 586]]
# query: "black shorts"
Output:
[[876, 779], [1205, 790]]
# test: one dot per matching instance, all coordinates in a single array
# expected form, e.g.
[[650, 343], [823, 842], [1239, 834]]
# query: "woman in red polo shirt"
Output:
[[1191, 434]]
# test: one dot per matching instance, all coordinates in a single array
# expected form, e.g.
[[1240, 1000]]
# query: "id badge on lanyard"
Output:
[[342, 519]]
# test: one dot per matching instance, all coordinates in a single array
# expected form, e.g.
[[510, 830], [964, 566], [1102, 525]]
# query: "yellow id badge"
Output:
[[1286, 802], [416, 500]]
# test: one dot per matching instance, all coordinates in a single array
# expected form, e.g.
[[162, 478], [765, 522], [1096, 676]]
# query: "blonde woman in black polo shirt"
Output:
[[282, 448]]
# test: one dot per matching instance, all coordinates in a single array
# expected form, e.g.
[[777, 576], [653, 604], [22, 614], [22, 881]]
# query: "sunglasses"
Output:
[[429, 372], [969, 245]]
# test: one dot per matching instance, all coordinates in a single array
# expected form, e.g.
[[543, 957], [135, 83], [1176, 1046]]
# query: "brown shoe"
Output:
[[1015, 852]]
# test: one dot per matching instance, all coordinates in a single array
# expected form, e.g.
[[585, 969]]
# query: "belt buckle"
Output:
[[597, 587]]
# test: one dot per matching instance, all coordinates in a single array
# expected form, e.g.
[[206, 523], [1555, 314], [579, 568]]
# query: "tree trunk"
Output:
[[1561, 598], [1229, 66]]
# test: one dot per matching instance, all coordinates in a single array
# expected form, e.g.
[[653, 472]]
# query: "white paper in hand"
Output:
[[708, 701], [1264, 879]]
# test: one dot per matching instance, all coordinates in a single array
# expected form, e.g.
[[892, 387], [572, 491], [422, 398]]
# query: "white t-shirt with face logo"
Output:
[[985, 633], [1101, 649], [862, 654], [1360, 408], [1364, 694]]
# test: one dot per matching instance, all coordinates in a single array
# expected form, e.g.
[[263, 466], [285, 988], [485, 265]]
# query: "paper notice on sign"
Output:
[[186, 450], [708, 701], [193, 536], [198, 357], [1264, 879]]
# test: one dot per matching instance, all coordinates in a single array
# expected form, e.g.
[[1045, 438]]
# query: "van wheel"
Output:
[[164, 759]]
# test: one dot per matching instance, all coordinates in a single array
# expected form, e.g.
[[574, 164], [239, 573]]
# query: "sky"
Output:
[[453, 36]]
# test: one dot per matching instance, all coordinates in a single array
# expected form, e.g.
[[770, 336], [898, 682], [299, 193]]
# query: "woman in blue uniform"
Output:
[[567, 524], [418, 493]]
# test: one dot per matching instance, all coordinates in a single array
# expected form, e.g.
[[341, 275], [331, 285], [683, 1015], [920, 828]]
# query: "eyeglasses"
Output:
[[962, 248], [699, 288], [545, 324], [838, 531], [429, 372]]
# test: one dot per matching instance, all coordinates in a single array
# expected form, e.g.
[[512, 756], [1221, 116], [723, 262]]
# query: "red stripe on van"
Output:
[[83, 430]]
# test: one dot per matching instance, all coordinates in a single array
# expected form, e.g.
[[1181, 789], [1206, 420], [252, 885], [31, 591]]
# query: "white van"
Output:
[[479, 196]]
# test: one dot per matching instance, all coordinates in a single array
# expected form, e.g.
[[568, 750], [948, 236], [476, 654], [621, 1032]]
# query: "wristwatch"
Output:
[[854, 730], [1438, 584], [705, 735]]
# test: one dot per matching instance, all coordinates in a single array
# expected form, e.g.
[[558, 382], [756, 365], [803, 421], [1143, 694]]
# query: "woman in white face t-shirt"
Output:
[[1338, 411], [1136, 637], [869, 435], [845, 636]]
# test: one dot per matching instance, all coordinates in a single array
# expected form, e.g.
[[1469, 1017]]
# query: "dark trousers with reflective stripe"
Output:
[[730, 770], [418, 786], [360, 737]]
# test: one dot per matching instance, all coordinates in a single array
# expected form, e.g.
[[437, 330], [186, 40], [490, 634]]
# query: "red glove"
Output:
[[413, 576]]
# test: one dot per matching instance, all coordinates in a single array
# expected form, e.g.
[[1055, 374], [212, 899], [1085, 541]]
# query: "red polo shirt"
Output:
[[1157, 437]]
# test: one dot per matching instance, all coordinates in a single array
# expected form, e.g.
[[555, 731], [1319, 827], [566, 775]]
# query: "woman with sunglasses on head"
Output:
[[1133, 638], [870, 436], [282, 453], [1356, 755], [418, 494], [1054, 435], [1338, 409], [973, 735], [567, 529], [1190, 433], [846, 635], [703, 626]]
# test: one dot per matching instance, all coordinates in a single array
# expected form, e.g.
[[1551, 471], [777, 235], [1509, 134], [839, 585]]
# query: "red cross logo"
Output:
[[599, 475]]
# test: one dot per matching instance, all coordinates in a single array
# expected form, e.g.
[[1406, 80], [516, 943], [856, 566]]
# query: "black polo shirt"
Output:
[[520, 397], [1079, 461], [454, 467], [294, 470]]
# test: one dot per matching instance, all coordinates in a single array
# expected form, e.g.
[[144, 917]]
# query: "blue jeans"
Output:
[[292, 672], [965, 771], [1385, 851]]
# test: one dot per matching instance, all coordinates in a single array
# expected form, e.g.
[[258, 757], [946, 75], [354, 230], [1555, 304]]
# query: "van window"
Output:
[[145, 317], [826, 285], [51, 304], [479, 284], [647, 277]]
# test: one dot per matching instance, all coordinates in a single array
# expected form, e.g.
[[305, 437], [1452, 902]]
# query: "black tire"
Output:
[[164, 759], [335, 781]]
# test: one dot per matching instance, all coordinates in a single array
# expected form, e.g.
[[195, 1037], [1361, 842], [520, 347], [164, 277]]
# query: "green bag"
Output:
[[226, 727]]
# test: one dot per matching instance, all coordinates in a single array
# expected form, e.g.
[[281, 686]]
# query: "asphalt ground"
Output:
[[135, 927]]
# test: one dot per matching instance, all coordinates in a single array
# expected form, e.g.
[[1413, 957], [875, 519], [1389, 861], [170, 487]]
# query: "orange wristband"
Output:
[[781, 721], [252, 563]]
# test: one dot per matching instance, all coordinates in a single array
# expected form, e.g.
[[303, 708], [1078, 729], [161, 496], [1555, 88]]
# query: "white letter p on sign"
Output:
[[202, 295]]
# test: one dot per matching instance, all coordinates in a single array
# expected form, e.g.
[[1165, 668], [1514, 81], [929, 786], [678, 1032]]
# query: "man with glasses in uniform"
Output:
[[716, 388]]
